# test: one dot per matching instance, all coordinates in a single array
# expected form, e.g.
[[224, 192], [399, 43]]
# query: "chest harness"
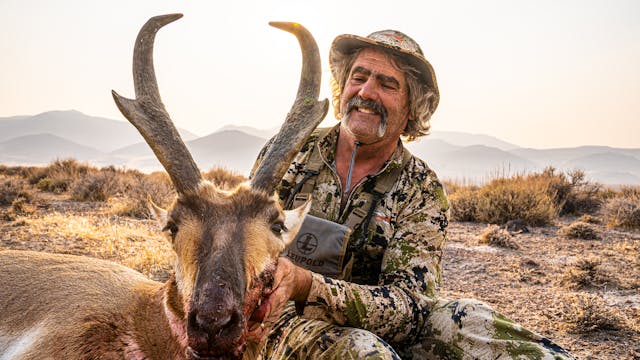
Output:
[[358, 217]]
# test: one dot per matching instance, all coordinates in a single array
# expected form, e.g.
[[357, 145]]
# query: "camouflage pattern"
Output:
[[470, 329], [392, 292], [294, 337]]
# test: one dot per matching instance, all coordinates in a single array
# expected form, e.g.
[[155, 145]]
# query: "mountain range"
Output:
[[458, 156]]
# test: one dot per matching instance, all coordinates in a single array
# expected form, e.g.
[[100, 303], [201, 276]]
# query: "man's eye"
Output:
[[278, 228]]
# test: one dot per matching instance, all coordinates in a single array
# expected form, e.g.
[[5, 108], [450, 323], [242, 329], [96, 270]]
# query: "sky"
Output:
[[540, 74]]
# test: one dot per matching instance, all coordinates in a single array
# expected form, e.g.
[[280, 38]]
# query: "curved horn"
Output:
[[148, 115], [305, 114]]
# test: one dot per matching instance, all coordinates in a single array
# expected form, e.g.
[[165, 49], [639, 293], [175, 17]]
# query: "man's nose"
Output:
[[368, 90]]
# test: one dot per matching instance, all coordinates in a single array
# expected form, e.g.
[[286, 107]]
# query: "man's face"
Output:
[[374, 103]]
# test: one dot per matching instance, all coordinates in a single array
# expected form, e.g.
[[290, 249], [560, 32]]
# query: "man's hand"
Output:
[[290, 282]]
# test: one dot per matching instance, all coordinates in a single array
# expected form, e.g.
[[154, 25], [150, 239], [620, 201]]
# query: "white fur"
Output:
[[293, 221], [16, 347]]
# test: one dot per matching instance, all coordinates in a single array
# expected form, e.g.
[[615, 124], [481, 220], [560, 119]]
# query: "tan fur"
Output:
[[117, 302], [259, 254], [68, 307], [65, 306]]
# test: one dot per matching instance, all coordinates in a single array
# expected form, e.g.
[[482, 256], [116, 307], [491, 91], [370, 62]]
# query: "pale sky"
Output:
[[544, 73]]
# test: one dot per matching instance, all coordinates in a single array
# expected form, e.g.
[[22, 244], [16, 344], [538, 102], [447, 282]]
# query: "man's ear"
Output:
[[158, 213], [293, 221]]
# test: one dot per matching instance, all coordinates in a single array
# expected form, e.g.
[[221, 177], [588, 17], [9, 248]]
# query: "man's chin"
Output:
[[365, 134]]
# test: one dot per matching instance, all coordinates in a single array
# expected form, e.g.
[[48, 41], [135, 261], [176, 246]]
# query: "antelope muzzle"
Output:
[[216, 323]]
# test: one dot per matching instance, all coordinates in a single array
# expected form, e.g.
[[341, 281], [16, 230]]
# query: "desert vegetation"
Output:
[[570, 270]]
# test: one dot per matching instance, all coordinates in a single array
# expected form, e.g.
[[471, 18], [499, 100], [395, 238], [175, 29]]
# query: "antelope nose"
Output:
[[215, 312], [215, 321]]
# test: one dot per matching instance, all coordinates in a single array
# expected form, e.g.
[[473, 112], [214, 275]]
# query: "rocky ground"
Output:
[[582, 294]]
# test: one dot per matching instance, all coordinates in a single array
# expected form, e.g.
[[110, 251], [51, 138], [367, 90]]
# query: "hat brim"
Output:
[[348, 43]]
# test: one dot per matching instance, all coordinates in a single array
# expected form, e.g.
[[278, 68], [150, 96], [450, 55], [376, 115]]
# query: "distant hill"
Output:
[[476, 163], [233, 150], [40, 149], [466, 139], [453, 155], [428, 147], [261, 133], [99, 133], [557, 157], [454, 138]]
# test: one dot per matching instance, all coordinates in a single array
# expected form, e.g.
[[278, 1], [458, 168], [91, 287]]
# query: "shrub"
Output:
[[96, 187], [223, 178], [22, 171], [586, 273], [519, 197], [537, 198], [495, 236], [630, 192], [56, 186], [584, 197], [138, 186], [590, 219], [579, 230], [589, 313], [59, 175], [464, 204], [572, 194], [11, 189], [21, 206], [622, 212], [451, 187]]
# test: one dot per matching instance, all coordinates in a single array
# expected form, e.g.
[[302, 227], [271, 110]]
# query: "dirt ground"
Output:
[[582, 294], [538, 285]]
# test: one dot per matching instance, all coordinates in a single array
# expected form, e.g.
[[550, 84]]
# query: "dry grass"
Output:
[[590, 219], [464, 204], [515, 198], [588, 313], [138, 245], [223, 178], [587, 273], [538, 199], [579, 230], [549, 285], [581, 294], [495, 236], [623, 210], [12, 189]]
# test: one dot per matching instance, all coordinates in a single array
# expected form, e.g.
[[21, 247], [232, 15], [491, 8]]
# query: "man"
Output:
[[383, 300]]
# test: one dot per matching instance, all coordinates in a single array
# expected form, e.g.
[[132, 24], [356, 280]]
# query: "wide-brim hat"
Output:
[[393, 40]]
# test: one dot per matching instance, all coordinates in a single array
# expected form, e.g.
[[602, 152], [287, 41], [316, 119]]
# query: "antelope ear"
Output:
[[293, 221], [158, 213]]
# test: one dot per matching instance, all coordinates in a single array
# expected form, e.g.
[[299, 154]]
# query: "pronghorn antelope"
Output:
[[226, 242]]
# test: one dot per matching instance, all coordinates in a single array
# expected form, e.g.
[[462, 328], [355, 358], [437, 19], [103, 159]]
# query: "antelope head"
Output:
[[227, 241]]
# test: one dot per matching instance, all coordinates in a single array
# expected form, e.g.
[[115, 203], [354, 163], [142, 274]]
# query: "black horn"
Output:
[[305, 114], [149, 116]]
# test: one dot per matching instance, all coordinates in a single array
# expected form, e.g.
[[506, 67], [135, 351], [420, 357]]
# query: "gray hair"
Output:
[[422, 98]]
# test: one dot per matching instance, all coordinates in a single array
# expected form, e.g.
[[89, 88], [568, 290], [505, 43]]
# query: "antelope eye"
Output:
[[278, 228], [172, 228]]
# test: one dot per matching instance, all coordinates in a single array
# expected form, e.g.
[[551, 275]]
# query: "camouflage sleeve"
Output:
[[397, 308]]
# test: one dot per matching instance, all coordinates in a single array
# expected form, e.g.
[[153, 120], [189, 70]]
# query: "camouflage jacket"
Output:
[[396, 274]]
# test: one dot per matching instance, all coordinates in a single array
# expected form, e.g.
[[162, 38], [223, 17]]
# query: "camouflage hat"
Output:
[[398, 42]]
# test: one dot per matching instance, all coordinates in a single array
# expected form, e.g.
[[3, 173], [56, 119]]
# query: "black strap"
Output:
[[302, 191], [367, 220], [293, 196]]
